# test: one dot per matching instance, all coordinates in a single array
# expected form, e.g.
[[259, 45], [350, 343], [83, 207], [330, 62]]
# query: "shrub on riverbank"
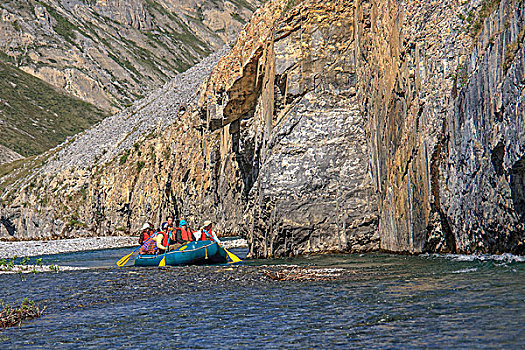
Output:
[[12, 315], [24, 265]]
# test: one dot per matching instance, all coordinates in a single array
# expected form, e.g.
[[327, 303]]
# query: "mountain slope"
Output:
[[111, 52], [7, 155], [36, 116]]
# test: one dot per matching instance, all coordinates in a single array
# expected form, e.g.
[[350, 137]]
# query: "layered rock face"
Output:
[[483, 168], [409, 52], [334, 126], [292, 155], [111, 52], [313, 191], [444, 98]]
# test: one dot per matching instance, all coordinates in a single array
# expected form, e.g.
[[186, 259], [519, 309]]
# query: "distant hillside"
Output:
[[112, 52], [7, 155], [36, 116]]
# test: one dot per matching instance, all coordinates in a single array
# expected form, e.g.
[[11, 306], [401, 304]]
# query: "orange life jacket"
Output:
[[186, 234]]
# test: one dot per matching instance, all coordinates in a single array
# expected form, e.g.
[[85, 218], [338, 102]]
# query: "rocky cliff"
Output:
[[111, 52], [334, 126], [442, 83]]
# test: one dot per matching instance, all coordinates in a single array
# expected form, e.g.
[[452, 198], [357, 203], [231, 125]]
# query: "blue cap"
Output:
[[182, 223]]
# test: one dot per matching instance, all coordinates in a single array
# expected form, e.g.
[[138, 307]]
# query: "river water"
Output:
[[369, 301]]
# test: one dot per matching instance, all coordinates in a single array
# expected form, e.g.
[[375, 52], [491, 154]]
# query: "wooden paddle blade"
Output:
[[162, 262], [124, 260], [232, 256]]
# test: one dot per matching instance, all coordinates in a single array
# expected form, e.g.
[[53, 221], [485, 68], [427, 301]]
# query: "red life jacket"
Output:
[[164, 238], [147, 234], [186, 234], [206, 237]]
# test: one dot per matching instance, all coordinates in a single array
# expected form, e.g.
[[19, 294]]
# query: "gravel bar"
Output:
[[35, 248]]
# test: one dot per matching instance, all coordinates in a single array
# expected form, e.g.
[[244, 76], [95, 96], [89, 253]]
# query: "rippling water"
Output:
[[376, 301]]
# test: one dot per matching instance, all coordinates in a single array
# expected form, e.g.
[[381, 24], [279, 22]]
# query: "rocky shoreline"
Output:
[[9, 250]]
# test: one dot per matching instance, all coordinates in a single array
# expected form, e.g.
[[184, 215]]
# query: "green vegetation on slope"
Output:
[[35, 116], [62, 26], [120, 50], [476, 19]]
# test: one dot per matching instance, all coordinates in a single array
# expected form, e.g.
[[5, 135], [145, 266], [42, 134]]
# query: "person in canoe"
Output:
[[167, 225], [206, 231], [166, 229], [146, 240], [162, 240], [183, 233], [147, 231]]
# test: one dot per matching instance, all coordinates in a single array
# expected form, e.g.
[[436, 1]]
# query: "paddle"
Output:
[[163, 261], [234, 258], [125, 258]]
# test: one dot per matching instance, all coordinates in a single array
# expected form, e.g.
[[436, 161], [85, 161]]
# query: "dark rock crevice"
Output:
[[517, 187], [243, 95], [496, 157], [8, 225]]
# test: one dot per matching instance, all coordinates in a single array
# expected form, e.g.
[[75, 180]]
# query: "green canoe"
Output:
[[192, 253]]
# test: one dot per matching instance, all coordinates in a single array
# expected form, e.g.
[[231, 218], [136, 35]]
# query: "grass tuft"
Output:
[[13, 315]]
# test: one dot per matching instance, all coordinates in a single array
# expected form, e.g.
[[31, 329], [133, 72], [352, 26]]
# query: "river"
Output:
[[368, 301]]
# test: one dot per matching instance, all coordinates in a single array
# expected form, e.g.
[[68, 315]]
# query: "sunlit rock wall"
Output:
[[444, 101], [314, 191]]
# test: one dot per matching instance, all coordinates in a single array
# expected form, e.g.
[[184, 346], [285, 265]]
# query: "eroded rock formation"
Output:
[[333, 126]]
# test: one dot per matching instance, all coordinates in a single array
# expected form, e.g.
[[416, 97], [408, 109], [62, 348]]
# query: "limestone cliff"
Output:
[[111, 52], [442, 83], [329, 126]]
